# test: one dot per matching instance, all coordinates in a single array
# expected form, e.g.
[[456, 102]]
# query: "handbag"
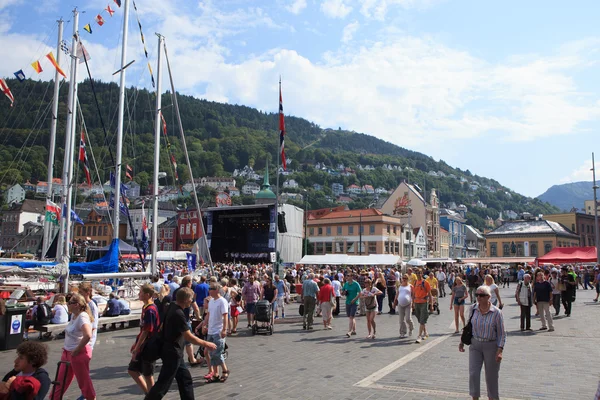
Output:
[[152, 349], [467, 333]]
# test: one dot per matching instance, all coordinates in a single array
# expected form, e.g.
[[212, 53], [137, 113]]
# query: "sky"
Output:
[[508, 90]]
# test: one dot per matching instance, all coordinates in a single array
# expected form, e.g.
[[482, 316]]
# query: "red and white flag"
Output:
[[5, 89], [99, 20], [109, 10], [84, 160], [129, 172], [281, 130]]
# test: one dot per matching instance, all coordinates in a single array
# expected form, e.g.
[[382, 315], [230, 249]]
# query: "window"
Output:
[[351, 230], [311, 231], [371, 229], [587, 229], [387, 245], [137, 233], [319, 248], [505, 249], [520, 250], [582, 229], [547, 248], [194, 229], [573, 227], [407, 235], [320, 230], [397, 246], [493, 250], [94, 231], [362, 229], [372, 247], [104, 243], [105, 231], [533, 249], [349, 247], [188, 228], [328, 231], [328, 247], [338, 247], [388, 229], [181, 229], [339, 230], [395, 230]]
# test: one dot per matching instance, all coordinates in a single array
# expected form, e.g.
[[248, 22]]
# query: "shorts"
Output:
[[216, 355], [250, 308], [422, 312], [459, 302], [351, 310], [598, 288], [143, 367], [234, 311]]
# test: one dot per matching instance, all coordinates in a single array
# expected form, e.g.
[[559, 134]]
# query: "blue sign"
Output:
[[16, 325]]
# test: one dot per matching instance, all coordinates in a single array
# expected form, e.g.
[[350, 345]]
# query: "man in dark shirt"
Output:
[[113, 308], [568, 293], [542, 296], [176, 332], [189, 349], [472, 280]]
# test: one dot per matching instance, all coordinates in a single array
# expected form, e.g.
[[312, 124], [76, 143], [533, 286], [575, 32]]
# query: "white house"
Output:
[[15, 194], [420, 243], [290, 183], [165, 211], [337, 189], [368, 189], [316, 186], [233, 191], [250, 188], [291, 196], [353, 189]]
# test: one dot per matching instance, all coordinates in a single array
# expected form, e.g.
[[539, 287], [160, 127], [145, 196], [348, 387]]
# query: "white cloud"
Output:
[[349, 31], [583, 173], [296, 6], [335, 8], [8, 3], [378, 9]]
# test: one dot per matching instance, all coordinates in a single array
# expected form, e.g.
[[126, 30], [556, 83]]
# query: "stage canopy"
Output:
[[496, 260], [344, 259], [564, 255]]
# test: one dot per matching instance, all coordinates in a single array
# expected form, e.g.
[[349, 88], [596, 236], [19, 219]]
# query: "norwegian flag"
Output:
[[83, 159], [5, 89], [281, 130]]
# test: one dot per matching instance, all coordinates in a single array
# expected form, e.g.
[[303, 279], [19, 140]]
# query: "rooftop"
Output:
[[367, 212], [532, 227]]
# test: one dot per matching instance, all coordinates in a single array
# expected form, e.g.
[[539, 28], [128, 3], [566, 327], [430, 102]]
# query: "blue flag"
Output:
[[20, 75], [74, 216]]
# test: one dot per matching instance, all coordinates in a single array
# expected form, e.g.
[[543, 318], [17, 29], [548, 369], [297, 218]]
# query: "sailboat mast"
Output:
[[117, 189], [157, 126], [47, 224], [276, 269], [65, 230]]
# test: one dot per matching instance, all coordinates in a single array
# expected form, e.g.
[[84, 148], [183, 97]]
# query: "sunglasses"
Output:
[[481, 295]]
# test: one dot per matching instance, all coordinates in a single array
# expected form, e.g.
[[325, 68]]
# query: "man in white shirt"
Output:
[[441, 277], [216, 326]]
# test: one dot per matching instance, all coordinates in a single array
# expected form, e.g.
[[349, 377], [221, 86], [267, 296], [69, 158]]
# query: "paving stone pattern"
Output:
[[320, 364]]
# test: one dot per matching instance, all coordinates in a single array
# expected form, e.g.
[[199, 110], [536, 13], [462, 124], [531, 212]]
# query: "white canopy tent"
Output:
[[417, 262], [344, 259], [439, 260], [170, 256]]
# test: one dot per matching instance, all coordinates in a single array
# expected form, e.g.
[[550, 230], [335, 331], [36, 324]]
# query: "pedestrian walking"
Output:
[[542, 297], [310, 290], [404, 301], [441, 277], [176, 332], [487, 345], [380, 284], [556, 290], [76, 350], [524, 296], [457, 301], [369, 296], [421, 295], [390, 282], [250, 295], [351, 290], [337, 290], [495, 299], [326, 294], [215, 324], [569, 286]]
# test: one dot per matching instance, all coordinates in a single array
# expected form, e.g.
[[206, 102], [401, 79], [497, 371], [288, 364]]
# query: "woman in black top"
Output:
[[270, 294]]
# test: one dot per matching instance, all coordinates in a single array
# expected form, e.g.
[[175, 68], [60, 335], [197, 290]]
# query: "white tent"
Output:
[[417, 262], [344, 259], [170, 256]]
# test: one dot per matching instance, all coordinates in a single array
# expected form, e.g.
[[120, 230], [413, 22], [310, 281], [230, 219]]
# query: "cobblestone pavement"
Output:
[[319, 364]]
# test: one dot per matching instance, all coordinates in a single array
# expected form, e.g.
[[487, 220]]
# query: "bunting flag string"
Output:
[[143, 42], [109, 10], [64, 46], [99, 20], [37, 67], [20, 75], [6, 90], [88, 28], [50, 57], [171, 156], [129, 172]]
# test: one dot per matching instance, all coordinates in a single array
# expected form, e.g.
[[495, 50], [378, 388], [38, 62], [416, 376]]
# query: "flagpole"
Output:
[[276, 269], [117, 188], [157, 126], [68, 159], [53, 124]]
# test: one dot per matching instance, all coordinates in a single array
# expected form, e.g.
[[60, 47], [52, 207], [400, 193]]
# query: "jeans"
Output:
[[380, 302], [556, 302], [525, 317], [80, 369], [391, 292], [173, 368], [309, 311]]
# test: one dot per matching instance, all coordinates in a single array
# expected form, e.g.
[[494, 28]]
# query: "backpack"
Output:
[[43, 314]]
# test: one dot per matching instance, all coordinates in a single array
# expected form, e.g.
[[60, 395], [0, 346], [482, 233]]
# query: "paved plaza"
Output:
[[319, 364]]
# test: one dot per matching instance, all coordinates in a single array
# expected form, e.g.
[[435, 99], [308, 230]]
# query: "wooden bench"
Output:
[[132, 319]]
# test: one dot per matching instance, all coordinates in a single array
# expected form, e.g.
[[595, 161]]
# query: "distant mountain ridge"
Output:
[[568, 195]]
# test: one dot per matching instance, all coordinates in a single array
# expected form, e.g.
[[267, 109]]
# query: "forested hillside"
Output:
[[223, 137]]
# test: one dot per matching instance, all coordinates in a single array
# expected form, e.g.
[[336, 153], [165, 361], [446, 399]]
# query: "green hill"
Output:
[[223, 137]]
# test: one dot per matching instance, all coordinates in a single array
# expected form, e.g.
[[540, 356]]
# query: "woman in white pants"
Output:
[[404, 302]]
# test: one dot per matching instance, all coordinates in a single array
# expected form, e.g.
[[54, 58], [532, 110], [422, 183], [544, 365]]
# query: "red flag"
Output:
[[129, 172], [5, 89], [84, 160], [99, 20], [109, 10], [281, 130]]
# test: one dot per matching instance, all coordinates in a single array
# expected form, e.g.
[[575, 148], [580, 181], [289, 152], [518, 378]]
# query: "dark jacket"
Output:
[[41, 375]]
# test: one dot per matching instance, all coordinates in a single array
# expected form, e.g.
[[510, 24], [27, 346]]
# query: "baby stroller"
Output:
[[436, 305], [263, 317]]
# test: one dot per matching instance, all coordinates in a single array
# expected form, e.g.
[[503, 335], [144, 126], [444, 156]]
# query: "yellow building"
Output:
[[528, 238], [589, 207], [444, 243], [579, 223], [339, 232]]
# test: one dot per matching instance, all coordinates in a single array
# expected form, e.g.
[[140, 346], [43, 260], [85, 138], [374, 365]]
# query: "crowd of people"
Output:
[[182, 309]]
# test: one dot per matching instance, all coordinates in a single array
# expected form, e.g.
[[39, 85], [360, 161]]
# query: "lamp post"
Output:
[[595, 187]]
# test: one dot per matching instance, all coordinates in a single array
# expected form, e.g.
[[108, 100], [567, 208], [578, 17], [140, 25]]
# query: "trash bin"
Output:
[[11, 327]]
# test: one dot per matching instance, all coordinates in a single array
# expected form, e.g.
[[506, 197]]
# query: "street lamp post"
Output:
[[595, 187]]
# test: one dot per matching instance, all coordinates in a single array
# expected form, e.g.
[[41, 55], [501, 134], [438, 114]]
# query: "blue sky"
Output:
[[508, 90]]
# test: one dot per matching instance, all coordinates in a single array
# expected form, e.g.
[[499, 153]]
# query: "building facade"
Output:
[[582, 224], [354, 232], [14, 220], [454, 222], [167, 235], [474, 242], [589, 207], [15, 194], [444, 243], [188, 229], [165, 211], [528, 238], [97, 229]]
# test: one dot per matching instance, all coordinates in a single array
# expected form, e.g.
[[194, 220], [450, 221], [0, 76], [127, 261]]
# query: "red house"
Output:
[[168, 234], [188, 229]]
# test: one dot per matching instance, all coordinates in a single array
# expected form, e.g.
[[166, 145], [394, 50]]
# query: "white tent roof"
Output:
[[170, 256], [438, 260], [344, 259]]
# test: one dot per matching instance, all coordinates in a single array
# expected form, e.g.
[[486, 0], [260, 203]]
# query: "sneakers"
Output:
[[418, 339], [282, 315], [348, 334], [354, 332], [425, 336], [369, 336], [329, 327], [403, 336], [543, 328]]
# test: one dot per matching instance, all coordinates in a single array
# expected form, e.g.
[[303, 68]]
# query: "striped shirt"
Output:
[[489, 326]]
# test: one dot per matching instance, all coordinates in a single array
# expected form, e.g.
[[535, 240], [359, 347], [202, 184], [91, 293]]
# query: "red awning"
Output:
[[563, 255]]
